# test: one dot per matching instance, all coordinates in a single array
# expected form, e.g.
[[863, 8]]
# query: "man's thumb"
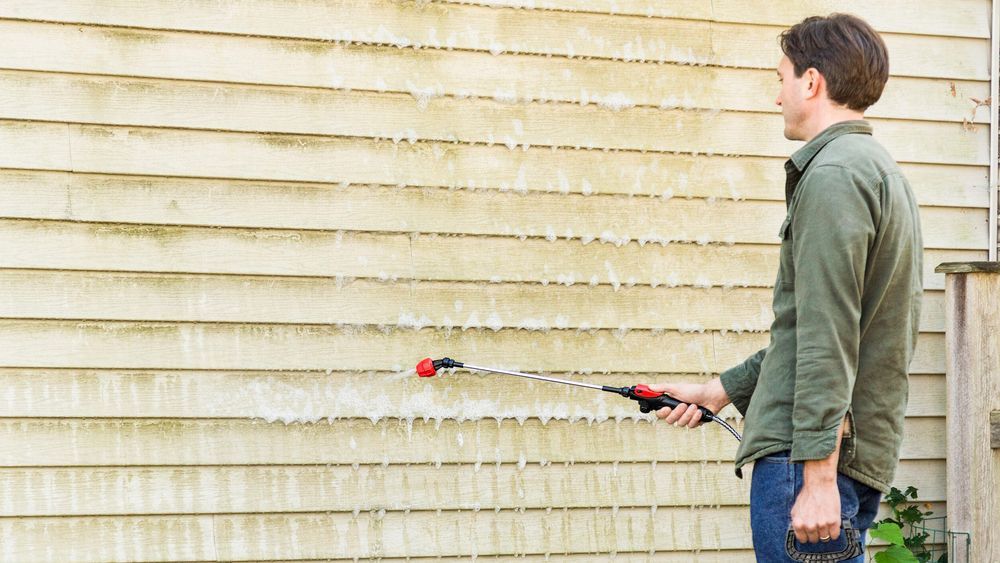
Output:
[[664, 388]]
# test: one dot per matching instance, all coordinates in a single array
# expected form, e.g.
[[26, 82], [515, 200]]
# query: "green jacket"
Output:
[[846, 312]]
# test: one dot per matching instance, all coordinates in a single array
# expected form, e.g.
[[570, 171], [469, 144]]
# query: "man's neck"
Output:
[[830, 116]]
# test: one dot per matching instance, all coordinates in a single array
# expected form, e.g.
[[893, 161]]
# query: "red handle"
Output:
[[645, 392]]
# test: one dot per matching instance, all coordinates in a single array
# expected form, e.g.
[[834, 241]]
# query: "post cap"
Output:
[[968, 268]]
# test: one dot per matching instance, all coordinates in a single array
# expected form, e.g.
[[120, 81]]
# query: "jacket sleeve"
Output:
[[740, 381], [833, 228]]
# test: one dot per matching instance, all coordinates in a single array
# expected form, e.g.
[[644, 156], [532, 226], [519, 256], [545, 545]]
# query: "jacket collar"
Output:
[[800, 159], [796, 165]]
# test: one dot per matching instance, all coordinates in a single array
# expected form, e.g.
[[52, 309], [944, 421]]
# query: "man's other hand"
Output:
[[816, 513]]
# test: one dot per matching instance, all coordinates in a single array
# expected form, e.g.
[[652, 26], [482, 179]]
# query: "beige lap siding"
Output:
[[228, 230]]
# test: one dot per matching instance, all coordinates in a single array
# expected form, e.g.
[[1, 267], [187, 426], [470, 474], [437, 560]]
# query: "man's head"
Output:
[[834, 65]]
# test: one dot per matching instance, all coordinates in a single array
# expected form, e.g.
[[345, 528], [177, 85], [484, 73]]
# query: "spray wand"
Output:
[[648, 399]]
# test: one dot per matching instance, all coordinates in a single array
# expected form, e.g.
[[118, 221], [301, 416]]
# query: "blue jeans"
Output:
[[775, 484]]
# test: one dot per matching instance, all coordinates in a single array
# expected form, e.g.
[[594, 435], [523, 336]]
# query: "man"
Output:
[[824, 403]]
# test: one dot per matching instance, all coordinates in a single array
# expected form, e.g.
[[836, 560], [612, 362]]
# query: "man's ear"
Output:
[[811, 81]]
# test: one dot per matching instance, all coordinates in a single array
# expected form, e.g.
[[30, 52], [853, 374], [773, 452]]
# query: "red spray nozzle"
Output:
[[426, 368]]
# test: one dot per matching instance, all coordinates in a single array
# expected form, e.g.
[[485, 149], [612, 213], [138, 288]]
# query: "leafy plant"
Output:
[[903, 549]]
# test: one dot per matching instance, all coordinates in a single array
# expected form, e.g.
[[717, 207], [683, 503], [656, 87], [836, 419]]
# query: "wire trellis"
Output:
[[941, 545]]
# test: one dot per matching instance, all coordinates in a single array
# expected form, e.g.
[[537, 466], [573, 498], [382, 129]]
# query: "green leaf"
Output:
[[889, 520], [895, 554], [888, 532], [911, 514], [917, 542], [895, 497]]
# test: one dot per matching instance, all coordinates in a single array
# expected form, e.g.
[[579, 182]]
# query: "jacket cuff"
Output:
[[739, 384], [810, 445]]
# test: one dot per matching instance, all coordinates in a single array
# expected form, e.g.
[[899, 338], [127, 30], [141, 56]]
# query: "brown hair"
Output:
[[848, 53]]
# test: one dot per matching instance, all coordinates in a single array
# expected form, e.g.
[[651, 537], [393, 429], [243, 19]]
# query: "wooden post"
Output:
[[972, 292]]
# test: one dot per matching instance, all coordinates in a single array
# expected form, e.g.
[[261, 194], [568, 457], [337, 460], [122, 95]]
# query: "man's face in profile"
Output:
[[790, 99]]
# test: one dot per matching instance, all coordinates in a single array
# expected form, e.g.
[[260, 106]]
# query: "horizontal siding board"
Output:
[[940, 17], [937, 17], [533, 534], [250, 156], [43, 146], [636, 529], [632, 534], [342, 488], [117, 442], [757, 47], [144, 102], [94, 344], [389, 209], [500, 31], [257, 346], [110, 296], [393, 488], [315, 396], [144, 248], [649, 264], [36, 294], [320, 64], [37, 244], [134, 539], [313, 536]]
